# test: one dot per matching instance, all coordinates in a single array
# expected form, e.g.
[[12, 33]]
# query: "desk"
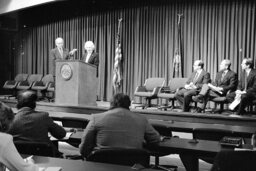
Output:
[[244, 131], [78, 165]]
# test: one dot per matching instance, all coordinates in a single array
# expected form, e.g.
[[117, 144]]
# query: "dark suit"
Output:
[[94, 60], [118, 127], [55, 56], [228, 83], [250, 94], [184, 96], [30, 125]]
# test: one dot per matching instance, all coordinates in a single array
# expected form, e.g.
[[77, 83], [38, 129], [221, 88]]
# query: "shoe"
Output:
[[199, 98]]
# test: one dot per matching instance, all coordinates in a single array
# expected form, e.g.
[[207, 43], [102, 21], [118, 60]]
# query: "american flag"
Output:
[[117, 77]]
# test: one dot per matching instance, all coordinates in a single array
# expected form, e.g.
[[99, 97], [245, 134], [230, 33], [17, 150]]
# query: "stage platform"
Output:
[[150, 113]]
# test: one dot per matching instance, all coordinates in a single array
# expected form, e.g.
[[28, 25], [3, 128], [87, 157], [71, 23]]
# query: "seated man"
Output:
[[31, 125], [246, 91], [118, 127], [226, 80], [193, 85]]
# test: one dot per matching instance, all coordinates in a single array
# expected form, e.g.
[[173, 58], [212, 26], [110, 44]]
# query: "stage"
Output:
[[150, 113]]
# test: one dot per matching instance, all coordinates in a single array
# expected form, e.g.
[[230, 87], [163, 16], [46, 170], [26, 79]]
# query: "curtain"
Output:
[[212, 31]]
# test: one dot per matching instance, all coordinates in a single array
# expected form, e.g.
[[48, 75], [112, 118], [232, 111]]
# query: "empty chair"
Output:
[[73, 122], [150, 89], [35, 148], [51, 91], [43, 85], [121, 156], [12, 84], [169, 91], [25, 85]]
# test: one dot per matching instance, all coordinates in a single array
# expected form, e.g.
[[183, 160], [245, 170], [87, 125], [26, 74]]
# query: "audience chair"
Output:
[[51, 89], [169, 91], [219, 101], [235, 161], [149, 90], [43, 85], [73, 122], [12, 84], [26, 85], [212, 135], [121, 156], [165, 132], [35, 148]]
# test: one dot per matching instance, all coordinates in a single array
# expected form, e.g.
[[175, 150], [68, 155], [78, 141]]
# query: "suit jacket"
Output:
[[251, 82], [56, 56], [229, 82], [203, 78], [118, 127], [30, 125], [94, 58]]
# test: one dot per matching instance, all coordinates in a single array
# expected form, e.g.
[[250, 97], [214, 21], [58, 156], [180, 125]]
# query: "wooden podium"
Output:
[[76, 83]]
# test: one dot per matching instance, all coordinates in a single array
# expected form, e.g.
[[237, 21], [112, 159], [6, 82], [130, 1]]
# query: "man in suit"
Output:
[[31, 125], [193, 85], [246, 90], [226, 80], [90, 56], [57, 54], [118, 127]]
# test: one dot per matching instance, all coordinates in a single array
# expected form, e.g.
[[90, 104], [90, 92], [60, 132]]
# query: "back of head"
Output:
[[27, 99], [6, 117], [120, 100]]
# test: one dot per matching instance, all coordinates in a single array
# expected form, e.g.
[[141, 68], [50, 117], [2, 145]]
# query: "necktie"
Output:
[[195, 78], [223, 75], [61, 52]]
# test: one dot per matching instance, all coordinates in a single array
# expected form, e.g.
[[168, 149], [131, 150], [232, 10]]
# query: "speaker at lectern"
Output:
[[75, 83]]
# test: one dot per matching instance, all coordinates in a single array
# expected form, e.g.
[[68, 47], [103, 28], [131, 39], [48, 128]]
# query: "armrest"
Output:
[[38, 83], [165, 90], [23, 83], [156, 90], [141, 89]]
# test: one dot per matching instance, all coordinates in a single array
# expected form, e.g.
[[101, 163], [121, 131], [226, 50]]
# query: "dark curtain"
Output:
[[213, 30]]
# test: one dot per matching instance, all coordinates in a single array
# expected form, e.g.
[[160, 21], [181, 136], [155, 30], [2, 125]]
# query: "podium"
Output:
[[76, 83]]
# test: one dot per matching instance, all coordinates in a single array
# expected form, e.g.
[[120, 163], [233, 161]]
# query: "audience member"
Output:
[[31, 125], [193, 85], [246, 91], [118, 127], [225, 81], [9, 156]]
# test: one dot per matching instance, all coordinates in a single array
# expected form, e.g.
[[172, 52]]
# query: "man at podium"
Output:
[[90, 56], [59, 53]]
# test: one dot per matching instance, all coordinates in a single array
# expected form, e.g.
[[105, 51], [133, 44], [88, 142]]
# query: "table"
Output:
[[78, 165], [244, 131]]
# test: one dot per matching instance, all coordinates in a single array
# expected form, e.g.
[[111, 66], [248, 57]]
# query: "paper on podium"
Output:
[[214, 88]]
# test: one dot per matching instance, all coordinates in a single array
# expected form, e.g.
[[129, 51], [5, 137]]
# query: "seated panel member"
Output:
[[226, 80], [193, 85], [31, 125], [9, 156], [246, 90], [118, 127]]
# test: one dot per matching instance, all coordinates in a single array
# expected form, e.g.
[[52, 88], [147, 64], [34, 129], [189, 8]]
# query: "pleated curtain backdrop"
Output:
[[212, 31]]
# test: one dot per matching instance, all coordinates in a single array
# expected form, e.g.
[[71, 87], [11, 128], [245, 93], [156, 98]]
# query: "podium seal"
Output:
[[66, 71]]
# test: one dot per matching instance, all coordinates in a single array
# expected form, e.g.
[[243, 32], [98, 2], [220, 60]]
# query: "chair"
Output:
[[235, 161], [165, 131], [36, 148], [149, 90], [121, 156], [25, 85], [51, 89], [220, 101], [212, 135], [43, 84], [169, 91], [12, 84], [72, 122]]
